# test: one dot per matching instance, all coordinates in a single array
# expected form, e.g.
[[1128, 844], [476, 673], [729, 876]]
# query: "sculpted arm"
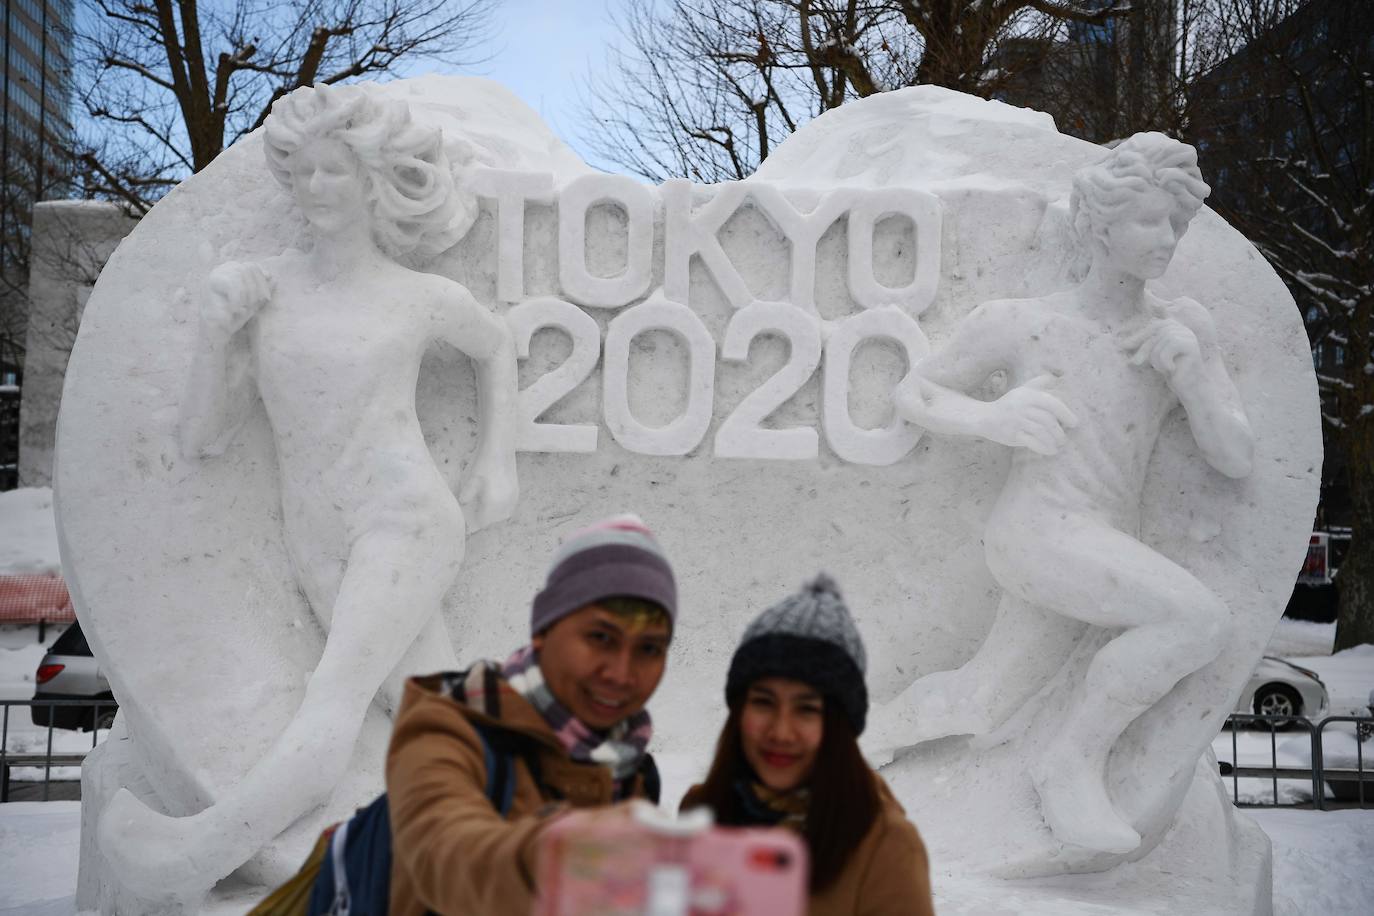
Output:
[[220, 387], [1183, 347], [491, 488], [932, 395]]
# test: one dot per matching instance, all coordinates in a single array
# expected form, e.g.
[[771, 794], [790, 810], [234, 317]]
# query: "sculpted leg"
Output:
[[431, 651], [393, 587], [1172, 626], [1024, 648]]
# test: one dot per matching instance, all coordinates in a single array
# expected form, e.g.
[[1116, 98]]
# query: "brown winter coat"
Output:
[[887, 875], [452, 852]]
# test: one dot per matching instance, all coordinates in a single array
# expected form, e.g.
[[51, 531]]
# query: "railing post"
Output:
[[1235, 765], [47, 764], [1359, 764], [1318, 778], [1318, 767], [4, 748], [1274, 758]]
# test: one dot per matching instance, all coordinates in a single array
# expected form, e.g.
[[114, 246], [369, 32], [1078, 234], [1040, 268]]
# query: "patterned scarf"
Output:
[[762, 805], [620, 749]]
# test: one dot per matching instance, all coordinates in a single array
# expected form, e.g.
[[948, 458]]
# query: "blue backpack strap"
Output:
[[500, 764]]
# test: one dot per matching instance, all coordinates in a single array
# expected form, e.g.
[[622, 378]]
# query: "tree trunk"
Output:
[[1355, 579]]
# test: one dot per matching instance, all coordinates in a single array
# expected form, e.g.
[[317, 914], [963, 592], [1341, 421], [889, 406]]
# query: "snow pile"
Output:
[[38, 867], [1323, 861], [1348, 675], [28, 535], [1301, 637]]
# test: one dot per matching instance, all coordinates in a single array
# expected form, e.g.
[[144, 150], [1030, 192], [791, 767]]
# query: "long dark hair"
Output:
[[844, 794]]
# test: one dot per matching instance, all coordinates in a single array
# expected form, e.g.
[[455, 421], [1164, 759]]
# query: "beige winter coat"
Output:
[[452, 852]]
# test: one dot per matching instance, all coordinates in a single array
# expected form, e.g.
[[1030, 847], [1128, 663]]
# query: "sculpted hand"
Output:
[[1166, 344], [490, 492], [1030, 417], [237, 291]]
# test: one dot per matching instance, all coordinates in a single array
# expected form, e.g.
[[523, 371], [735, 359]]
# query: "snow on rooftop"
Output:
[[28, 534]]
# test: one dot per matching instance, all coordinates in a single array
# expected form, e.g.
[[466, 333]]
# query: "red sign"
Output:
[[1315, 570]]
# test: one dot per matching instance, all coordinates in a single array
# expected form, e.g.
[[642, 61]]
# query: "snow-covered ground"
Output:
[[28, 535], [1301, 637], [40, 843], [1321, 860]]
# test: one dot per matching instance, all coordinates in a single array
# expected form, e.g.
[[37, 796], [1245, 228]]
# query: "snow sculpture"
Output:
[[722, 359], [1092, 373], [331, 340]]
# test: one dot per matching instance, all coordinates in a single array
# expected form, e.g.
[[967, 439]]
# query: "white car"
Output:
[[1281, 688]]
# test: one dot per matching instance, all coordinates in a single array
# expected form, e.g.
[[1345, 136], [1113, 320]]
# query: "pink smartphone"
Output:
[[651, 865]]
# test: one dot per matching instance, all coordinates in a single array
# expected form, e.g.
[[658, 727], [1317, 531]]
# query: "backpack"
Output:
[[355, 877], [348, 873]]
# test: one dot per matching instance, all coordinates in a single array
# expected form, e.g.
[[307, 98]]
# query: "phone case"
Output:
[[630, 867]]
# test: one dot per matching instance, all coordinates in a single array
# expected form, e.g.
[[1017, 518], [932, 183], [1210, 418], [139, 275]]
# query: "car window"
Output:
[[71, 642]]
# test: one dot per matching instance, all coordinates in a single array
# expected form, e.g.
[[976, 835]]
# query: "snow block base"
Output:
[[1214, 859]]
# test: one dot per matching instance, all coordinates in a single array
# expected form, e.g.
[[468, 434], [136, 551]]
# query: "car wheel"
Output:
[[1277, 700], [106, 719]]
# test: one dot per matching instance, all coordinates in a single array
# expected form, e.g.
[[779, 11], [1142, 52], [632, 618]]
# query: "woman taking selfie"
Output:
[[789, 755]]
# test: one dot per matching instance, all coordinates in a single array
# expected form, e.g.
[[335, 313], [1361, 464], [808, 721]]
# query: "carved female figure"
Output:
[[1092, 374], [332, 340]]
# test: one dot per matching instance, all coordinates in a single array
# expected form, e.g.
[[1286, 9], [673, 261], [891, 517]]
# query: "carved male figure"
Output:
[[332, 340], [1092, 373]]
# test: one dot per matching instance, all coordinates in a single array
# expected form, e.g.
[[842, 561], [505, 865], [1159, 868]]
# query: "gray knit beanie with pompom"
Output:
[[808, 637]]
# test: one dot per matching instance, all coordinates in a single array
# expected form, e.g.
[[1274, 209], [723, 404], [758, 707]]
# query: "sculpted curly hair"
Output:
[[1102, 192], [415, 204]]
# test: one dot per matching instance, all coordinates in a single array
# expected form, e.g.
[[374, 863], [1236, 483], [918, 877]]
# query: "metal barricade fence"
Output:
[[77, 711], [1348, 785]]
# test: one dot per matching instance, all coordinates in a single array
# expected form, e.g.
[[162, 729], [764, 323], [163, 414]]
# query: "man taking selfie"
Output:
[[482, 760]]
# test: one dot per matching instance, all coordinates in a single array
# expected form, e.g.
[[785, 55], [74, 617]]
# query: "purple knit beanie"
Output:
[[614, 558]]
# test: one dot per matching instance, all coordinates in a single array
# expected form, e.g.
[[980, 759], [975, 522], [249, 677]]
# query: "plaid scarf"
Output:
[[762, 805], [620, 749]]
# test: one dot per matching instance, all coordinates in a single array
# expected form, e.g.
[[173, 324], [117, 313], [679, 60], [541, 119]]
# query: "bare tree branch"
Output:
[[761, 67], [171, 83]]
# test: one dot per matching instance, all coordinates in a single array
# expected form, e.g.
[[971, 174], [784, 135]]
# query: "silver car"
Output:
[[1281, 688], [69, 672]]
